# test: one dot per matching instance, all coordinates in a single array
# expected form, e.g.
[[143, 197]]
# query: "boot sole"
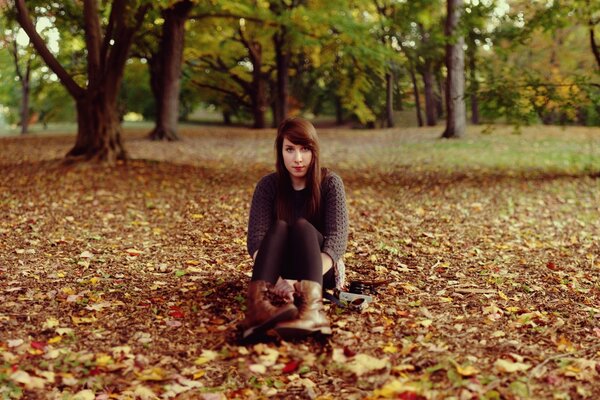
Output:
[[255, 332], [296, 333]]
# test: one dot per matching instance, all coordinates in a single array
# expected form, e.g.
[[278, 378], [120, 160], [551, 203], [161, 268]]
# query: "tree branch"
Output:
[[93, 38], [25, 21], [15, 54]]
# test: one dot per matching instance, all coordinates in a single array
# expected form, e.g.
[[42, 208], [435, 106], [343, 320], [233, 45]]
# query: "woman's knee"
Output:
[[280, 226], [302, 227]]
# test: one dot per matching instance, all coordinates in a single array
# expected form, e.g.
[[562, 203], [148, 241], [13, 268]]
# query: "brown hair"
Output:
[[300, 132]]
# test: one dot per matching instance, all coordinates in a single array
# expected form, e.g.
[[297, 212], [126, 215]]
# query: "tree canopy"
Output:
[[259, 60]]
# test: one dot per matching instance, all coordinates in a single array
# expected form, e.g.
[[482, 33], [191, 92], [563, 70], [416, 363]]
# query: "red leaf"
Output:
[[291, 367], [176, 312], [38, 345], [95, 371], [552, 266], [348, 352], [410, 396]]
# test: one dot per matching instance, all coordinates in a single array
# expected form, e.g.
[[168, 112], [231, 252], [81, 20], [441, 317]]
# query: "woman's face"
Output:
[[297, 159]]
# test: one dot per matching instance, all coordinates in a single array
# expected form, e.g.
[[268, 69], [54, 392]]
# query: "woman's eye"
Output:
[[289, 150], [305, 149]]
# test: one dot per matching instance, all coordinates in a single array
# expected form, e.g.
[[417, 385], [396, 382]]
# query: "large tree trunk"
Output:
[[389, 102], [169, 79], [474, 86], [413, 77], [430, 109], [455, 64], [282, 60], [98, 131]]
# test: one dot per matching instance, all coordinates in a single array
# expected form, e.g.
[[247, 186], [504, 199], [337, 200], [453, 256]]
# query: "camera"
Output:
[[355, 301]]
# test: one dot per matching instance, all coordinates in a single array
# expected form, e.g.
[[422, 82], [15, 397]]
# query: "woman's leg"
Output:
[[305, 262], [271, 253], [306, 266], [261, 315]]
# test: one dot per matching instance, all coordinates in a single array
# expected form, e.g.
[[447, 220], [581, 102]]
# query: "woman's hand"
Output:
[[284, 288]]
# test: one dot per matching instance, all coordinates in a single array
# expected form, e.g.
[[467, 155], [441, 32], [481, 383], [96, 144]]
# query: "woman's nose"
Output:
[[298, 156]]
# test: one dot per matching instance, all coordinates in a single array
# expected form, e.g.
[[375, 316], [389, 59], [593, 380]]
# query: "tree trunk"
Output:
[[389, 103], [594, 46], [339, 111], [474, 87], [25, 90], [439, 96], [430, 110], [98, 131], [169, 80], [226, 117], [413, 77], [282, 60], [455, 64]]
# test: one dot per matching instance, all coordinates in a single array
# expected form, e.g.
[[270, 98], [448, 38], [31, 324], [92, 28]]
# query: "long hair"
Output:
[[300, 132]]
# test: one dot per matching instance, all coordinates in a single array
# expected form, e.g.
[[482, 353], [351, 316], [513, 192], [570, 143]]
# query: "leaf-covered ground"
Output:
[[128, 282]]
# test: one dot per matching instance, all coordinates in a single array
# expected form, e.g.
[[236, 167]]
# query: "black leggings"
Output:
[[292, 252]]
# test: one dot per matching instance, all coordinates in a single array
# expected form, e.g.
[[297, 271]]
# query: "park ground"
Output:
[[127, 282]]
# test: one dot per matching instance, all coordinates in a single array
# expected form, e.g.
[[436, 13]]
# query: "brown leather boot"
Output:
[[311, 317], [261, 315]]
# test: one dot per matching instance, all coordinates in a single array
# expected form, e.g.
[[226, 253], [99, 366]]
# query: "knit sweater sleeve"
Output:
[[335, 218], [261, 212]]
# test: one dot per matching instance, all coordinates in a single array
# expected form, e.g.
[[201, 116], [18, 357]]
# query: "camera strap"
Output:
[[334, 299]]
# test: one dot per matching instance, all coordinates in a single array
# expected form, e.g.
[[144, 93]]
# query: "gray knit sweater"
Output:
[[333, 226]]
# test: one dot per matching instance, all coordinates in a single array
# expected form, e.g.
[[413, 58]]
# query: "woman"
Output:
[[297, 234]]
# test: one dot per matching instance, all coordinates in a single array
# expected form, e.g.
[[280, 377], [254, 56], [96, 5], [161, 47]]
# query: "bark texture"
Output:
[[165, 71], [455, 64]]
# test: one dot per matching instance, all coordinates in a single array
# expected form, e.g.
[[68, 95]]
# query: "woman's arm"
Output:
[[261, 213], [336, 220]]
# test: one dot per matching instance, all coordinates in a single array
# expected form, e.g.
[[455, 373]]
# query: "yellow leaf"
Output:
[[30, 382], [83, 320], [206, 356], [192, 262], [197, 216], [363, 363], [403, 368], [199, 374], [51, 323], [94, 280], [144, 393], [510, 366], [64, 331], [133, 252], [152, 374], [502, 295], [565, 344], [54, 340], [67, 290], [258, 368], [397, 386], [390, 348], [467, 370], [103, 360], [84, 395]]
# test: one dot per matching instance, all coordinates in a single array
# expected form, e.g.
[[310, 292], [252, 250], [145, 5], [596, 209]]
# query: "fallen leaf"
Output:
[[510, 366], [363, 363]]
